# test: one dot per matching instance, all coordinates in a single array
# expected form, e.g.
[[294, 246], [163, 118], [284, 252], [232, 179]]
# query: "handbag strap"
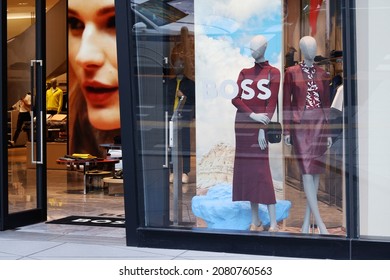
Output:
[[277, 100]]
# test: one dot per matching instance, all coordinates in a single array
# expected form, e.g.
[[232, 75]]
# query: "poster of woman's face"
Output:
[[93, 70]]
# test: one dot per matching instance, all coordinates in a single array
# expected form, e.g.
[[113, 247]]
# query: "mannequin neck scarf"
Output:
[[312, 95]]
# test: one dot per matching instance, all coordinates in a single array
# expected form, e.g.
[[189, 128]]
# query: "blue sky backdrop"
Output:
[[223, 31]]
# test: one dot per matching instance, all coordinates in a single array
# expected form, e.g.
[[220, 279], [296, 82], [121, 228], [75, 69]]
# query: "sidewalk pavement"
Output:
[[29, 245]]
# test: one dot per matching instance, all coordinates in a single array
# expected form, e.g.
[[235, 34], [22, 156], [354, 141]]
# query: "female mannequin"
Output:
[[305, 104], [252, 180]]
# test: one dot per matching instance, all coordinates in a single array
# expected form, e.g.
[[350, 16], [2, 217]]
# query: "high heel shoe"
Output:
[[323, 231], [256, 228], [305, 229]]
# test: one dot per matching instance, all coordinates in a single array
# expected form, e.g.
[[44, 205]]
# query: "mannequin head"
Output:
[[308, 47], [258, 45], [53, 83]]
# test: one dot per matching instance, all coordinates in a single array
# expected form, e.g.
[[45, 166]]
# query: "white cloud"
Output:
[[237, 11], [216, 61]]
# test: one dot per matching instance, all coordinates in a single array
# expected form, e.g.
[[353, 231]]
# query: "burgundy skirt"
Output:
[[252, 179], [309, 140]]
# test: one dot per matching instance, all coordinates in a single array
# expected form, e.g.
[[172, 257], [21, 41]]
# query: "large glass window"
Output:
[[213, 79]]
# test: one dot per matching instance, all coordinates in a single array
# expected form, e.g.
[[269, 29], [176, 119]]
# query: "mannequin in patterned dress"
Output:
[[309, 110]]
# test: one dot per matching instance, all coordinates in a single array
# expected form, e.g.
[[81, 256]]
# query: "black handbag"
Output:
[[274, 129], [274, 132]]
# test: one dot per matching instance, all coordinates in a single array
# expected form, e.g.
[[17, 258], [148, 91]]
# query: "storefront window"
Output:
[[212, 78]]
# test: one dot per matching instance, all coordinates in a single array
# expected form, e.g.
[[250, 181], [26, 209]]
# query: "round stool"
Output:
[[94, 179], [115, 186]]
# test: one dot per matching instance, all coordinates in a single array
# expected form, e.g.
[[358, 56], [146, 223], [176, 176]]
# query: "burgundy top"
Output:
[[257, 105]]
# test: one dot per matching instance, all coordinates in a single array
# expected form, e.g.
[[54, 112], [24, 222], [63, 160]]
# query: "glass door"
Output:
[[23, 191]]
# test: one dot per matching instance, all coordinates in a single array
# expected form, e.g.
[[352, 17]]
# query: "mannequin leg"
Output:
[[272, 217], [306, 220], [310, 185], [256, 223]]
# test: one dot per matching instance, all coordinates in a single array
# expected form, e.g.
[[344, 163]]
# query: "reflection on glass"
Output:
[[158, 12]]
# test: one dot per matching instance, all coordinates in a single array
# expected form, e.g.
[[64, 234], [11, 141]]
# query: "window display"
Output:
[[238, 57]]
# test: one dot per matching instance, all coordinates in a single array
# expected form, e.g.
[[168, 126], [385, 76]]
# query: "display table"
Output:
[[113, 151], [94, 179], [88, 166], [111, 146], [115, 186]]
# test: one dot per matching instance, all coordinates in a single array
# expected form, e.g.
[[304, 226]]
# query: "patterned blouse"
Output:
[[312, 96]]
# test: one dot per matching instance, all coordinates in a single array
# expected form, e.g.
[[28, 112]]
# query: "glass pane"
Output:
[[313, 117], [20, 51], [372, 95], [208, 157]]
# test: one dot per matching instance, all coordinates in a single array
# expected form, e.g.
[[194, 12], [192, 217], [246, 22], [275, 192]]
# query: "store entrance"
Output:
[[47, 181], [23, 194]]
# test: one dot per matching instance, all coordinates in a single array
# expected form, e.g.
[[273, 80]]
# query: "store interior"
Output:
[[72, 189]]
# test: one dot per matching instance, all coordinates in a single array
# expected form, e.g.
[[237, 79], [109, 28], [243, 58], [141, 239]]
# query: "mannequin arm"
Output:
[[260, 117], [262, 140], [330, 142], [287, 140]]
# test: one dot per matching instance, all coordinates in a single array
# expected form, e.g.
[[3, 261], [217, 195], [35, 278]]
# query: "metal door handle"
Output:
[[40, 160], [40, 125], [166, 165]]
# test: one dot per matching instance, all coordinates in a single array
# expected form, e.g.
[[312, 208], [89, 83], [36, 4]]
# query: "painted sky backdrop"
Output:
[[223, 31]]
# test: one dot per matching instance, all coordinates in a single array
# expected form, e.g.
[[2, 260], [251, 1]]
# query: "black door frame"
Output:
[[38, 214]]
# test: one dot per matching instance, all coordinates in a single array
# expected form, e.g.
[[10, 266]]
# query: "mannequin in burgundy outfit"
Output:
[[306, 100], [256, 103]]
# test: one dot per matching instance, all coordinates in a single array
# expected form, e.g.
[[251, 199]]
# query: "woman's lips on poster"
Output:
[[98, 93]]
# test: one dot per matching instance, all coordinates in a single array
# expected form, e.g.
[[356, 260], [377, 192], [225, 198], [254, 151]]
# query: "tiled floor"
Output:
[[85, 243], [53, 241]]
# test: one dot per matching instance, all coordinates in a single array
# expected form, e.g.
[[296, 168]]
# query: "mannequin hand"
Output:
[[330, 142], [179, 93], [262, 140], [287, 140], [260, 117]]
